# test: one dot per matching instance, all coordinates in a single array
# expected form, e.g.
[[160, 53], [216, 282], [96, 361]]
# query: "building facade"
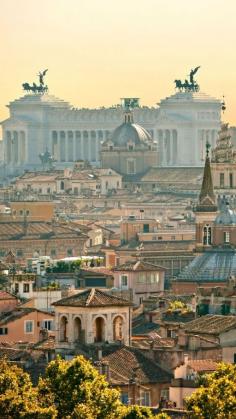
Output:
[[180, 124]]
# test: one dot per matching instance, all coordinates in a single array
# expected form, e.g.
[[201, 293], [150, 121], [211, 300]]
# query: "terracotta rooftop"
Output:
[[211, 324], [157, 343], [159, 246], [16, 314], [202, 365], [13, 230], [4, 295], [98, 270], [92, 298], [126, 362], [138, 266]]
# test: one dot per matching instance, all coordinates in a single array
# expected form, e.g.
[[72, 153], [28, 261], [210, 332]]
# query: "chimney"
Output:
[[99, 354], [185, 359]]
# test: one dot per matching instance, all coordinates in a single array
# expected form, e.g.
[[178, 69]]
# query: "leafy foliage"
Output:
[[178, 305], [216, 397], [18, 398], [70, 390]]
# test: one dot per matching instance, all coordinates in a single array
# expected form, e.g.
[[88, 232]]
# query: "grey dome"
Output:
[[212, 265], [132, 132], [226, 216]]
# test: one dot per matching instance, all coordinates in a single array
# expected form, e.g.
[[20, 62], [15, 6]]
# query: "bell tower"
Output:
[[206, 209]]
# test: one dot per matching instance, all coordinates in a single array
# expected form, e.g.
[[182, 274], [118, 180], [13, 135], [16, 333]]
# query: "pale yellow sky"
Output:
[[100, 50]]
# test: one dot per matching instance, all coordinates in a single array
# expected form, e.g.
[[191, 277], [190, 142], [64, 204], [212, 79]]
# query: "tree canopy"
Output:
[[216, 396], [69, 390]]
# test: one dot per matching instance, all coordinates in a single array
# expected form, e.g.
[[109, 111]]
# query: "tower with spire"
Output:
[[206, 209]]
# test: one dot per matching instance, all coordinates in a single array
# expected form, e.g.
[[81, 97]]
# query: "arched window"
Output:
[[62, 186], [77, 329], [99, 330], [63, 329], [118, 328], [207, 236]]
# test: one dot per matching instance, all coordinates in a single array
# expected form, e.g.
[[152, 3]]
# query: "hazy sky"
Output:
[[100, 50]]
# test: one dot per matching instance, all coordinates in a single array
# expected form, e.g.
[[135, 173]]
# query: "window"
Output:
[[124, 398], [19, 253], [131, 147], [146, 228], [3, 330], [226, 237], [21, 212], [145, 398], [152, 278], [153, 186], [124, 281], [164, 393], [131, 166], [47, 324], [142, 278], [53, 252], [48, 190], [231, 183], [159, 238], [222, 180], [69, 252], [172, 237], [29, 326], [26, 287], [27, 212], [207, 235], [16, 288]]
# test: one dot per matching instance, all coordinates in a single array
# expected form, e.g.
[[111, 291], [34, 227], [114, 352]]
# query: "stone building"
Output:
[[223, 166], [29, 239], [215, 241], [130, 149], [92, 317], [181, 123], [140, 380]]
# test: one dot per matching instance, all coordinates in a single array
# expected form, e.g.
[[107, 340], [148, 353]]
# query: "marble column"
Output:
[[66, 147]]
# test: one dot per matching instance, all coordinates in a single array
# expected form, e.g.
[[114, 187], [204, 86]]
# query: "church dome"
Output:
[[226, 216], [130, 132]]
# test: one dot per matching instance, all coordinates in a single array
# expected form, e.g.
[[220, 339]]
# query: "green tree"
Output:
[[79, 392], [77, 389], [216, 396], [70, 390], [18, 398]]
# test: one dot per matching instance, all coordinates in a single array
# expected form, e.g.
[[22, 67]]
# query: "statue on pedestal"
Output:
[[41, 88], [188, 86], [47, 160]]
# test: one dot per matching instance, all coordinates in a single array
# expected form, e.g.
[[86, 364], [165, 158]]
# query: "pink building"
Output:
[[24, 325], [186, 377], [143, 278]]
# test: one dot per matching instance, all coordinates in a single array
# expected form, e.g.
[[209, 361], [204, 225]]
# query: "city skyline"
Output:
[[97, 52]]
